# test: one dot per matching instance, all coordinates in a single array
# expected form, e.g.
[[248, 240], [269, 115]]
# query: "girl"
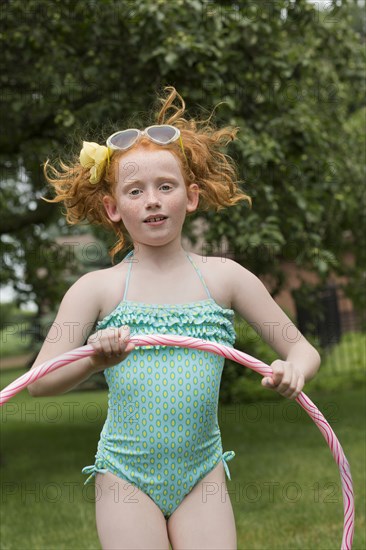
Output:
[[160, 455]]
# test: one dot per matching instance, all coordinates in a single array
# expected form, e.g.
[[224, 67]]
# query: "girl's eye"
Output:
[[132, 192]]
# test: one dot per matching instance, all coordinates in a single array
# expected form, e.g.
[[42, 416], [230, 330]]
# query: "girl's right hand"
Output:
[[112, 347]]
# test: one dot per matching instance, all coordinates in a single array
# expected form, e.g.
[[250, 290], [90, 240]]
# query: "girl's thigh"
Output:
[[205, 518], [126, 517]]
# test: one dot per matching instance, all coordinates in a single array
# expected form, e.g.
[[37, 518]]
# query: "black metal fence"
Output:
[[335, 326]]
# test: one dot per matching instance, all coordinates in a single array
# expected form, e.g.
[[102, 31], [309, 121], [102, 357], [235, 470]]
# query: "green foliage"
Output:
[[15, 330], [16, 340], [6, 311], [290, 76], [344, 367]]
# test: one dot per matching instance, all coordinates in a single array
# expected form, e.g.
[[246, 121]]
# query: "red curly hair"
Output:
[[214, 172]]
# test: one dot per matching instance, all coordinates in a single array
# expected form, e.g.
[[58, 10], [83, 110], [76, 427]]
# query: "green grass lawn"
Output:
[[285, 486]]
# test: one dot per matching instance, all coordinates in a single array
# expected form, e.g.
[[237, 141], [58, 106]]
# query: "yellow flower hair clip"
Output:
[[95, 157]]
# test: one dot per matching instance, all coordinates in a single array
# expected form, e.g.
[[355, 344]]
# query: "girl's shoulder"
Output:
[[103, 277], [96, 282], [221, 264], [99, 275], [222, 275], [108, 285]]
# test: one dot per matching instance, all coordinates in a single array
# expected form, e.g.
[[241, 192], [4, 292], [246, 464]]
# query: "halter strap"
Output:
[[188, 256], [128, 273], [199, 274]]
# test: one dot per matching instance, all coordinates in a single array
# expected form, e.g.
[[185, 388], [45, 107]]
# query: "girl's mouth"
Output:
[[156, 221]]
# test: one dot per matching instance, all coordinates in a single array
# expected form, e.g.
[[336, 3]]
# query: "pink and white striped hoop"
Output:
[[229, 353]]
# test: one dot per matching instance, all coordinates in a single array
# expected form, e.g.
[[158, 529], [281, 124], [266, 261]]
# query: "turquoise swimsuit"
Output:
[[161, 433]]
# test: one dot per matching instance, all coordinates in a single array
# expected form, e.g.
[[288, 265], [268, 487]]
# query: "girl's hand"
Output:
[[112, 346], [286, 380]]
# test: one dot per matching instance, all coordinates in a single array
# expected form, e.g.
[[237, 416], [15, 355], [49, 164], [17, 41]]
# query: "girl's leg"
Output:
[[205, 518], [126, 517]]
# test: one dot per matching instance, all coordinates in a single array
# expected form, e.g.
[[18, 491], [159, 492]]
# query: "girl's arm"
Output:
[[74, 322], [300, 361]]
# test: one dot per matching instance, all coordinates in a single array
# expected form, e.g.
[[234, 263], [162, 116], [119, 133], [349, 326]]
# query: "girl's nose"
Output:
[[152, 200]]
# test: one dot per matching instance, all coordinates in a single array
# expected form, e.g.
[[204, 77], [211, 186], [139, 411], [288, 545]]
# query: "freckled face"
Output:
[[150, 182]]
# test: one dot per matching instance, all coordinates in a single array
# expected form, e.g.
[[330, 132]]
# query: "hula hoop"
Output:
[[229, 353]]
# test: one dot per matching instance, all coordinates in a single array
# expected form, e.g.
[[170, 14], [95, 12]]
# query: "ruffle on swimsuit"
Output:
[[203, 319]]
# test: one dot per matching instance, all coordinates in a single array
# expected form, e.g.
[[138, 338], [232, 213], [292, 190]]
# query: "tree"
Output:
[[290, 77]]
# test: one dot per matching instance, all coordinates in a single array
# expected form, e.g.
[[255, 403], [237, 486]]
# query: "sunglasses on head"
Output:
[[160, 134]]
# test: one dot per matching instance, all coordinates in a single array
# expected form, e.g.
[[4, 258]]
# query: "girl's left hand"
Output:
[[286, 379]]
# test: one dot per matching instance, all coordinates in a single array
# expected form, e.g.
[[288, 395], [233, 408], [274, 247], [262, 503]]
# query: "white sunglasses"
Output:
[[160, 134]]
